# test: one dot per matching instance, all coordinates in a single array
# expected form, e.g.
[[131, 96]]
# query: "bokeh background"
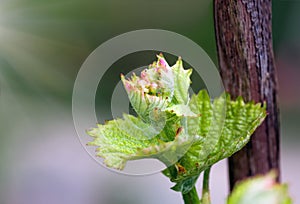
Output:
[[42, 47]]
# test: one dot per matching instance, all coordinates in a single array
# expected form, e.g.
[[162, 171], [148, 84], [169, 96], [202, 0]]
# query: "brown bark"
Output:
[[246, 61]]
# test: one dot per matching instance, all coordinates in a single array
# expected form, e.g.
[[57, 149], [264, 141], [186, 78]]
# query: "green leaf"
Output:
[[260, 190], [182, 82], [127, 139], [117, 146], [223, 128]]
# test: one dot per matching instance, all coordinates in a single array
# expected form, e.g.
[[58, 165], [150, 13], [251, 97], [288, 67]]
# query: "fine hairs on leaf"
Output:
[[187, 133]]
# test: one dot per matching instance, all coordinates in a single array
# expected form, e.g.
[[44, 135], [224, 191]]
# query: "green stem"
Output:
[[205, 188], [191, 197]]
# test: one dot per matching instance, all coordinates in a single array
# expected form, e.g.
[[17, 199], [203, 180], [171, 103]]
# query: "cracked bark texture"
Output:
[[247, 67]]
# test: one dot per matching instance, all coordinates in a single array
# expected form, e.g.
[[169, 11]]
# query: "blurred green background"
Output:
[[42, 47]]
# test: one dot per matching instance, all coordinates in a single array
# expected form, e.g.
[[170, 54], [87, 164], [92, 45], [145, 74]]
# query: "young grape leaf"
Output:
[[126, 139], [260, 190], [223, 128]]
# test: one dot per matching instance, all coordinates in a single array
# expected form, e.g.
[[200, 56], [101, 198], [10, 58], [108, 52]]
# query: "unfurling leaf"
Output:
[[182, 82]]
